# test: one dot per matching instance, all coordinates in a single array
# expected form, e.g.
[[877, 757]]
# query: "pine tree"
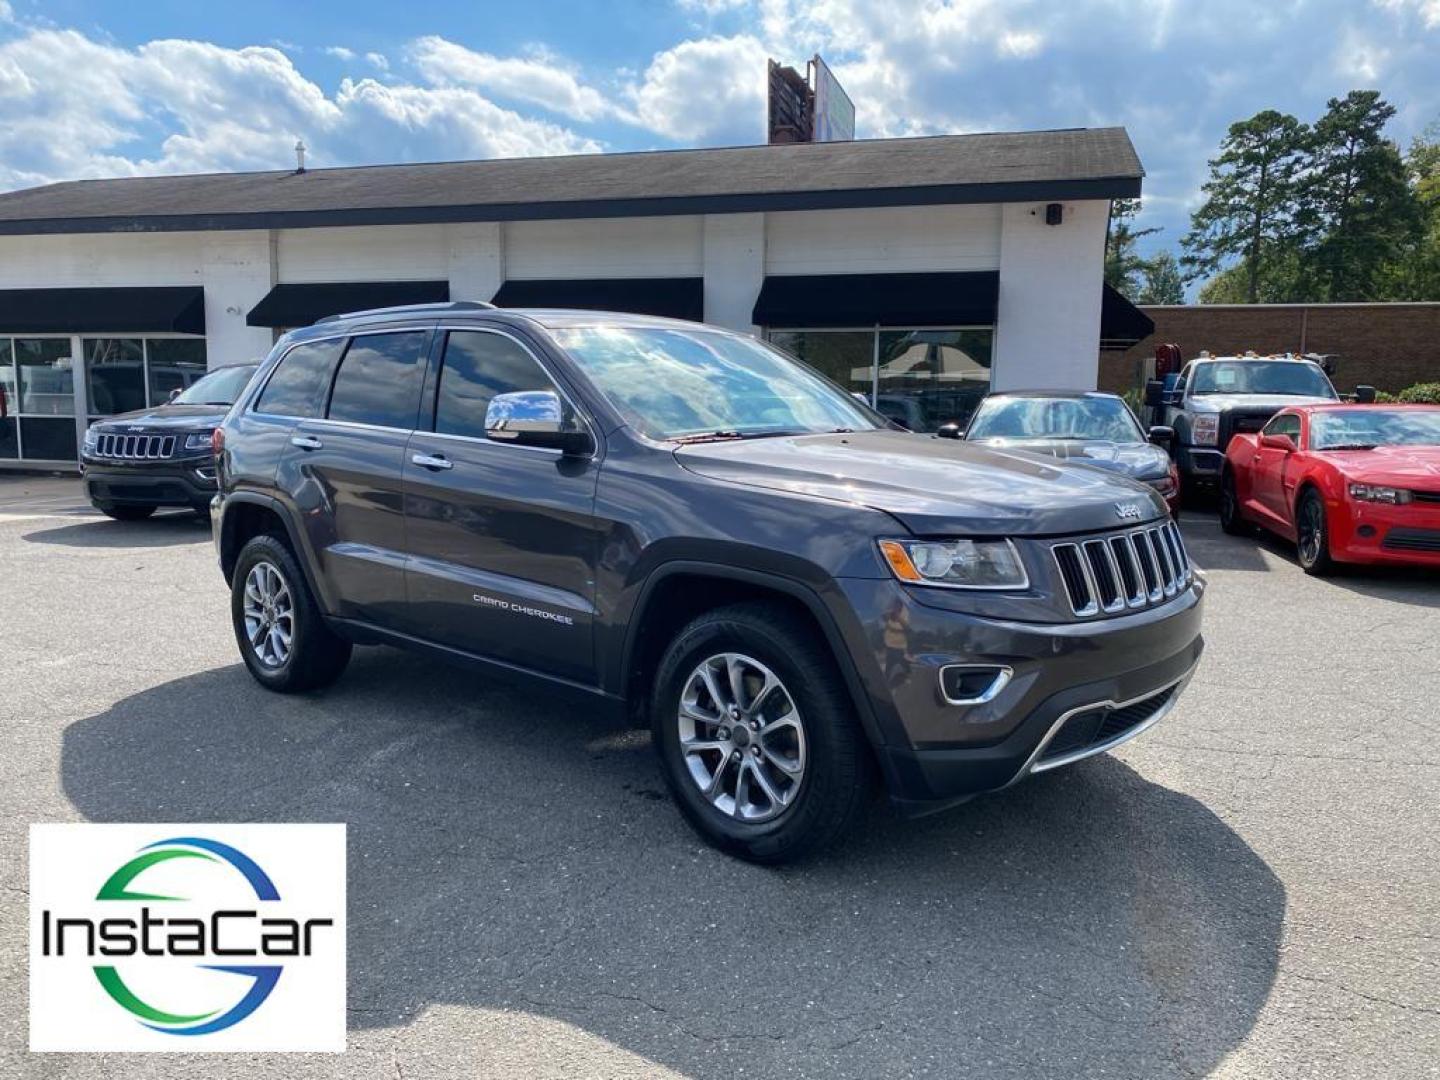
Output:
[[1359, 211], [1164, 282], [1251, 199], [1123, 264]]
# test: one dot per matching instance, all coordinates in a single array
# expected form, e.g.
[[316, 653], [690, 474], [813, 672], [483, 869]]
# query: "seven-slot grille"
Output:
[[134, 447], [1123, 571]]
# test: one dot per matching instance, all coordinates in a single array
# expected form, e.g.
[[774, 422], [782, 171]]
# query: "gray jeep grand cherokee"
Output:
[[682, 521]]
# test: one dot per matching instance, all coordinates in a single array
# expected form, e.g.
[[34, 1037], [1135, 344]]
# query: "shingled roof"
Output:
[[1078, 163]]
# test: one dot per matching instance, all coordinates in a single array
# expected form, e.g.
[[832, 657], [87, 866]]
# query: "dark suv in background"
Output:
[[139, 461], [682, 521]]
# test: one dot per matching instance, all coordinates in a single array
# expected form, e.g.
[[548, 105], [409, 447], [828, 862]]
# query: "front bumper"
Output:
[[1384, 534], [164, 483], [1102, 671], [1200, 465]]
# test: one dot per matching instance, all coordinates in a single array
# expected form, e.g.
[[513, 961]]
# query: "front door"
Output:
[[344, 469], [503, 538], [1269, 470]]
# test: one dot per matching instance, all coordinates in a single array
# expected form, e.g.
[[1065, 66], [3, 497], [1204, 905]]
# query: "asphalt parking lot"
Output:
[[1252, 889]]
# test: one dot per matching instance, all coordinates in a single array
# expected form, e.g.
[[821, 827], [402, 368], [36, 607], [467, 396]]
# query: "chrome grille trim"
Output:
[[1127, 570], [134, 447]]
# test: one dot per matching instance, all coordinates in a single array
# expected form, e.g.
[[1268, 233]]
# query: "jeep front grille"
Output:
[[1122, 571], [135, 447]]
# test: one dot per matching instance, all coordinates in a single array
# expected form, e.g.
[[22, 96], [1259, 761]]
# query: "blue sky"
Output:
[[91, 88]]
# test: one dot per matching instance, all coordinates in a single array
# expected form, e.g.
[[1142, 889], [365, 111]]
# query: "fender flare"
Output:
[[790, 587], [292, 534]]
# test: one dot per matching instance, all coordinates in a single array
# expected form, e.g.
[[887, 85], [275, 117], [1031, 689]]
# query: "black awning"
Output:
[[675, 298], [170, 309], [301, 305], [1122, 324], [949, 299]]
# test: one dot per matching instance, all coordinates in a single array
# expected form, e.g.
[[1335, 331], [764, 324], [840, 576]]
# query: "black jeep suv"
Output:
[[139, 461], [682, 520]]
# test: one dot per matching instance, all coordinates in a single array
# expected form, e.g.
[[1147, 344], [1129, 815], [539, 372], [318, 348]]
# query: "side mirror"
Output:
[[175, 392], [537, 418], [1365, 395], [1162, 436], [1278, 442], [951, 430], [1154, 393]]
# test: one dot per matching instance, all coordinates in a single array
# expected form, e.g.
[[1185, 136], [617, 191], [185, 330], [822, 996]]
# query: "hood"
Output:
[[1416, 467], [933, 486], [1274, 402], [182, 417], [1143, 461]]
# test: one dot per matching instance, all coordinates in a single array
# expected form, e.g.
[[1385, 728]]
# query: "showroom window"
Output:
[[121, 373], [919, 377]]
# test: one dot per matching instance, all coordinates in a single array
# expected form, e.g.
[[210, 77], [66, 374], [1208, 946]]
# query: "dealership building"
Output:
[[920, 272]]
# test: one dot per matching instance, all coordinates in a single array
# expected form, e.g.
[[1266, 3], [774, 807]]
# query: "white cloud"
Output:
[[71, 107], [1020, 43], [1427, 10], [538, 81], [340, 52], [378, 60], [709, 90]]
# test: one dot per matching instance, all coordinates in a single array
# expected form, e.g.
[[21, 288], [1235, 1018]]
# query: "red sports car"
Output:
[[1347, 483]]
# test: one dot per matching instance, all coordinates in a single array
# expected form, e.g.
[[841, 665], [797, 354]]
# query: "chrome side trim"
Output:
[[1033, 764], [1003, 675]]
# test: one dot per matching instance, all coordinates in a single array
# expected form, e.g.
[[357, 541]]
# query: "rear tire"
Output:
[[821, 749], [1230, 519], [282, 636], [125, 512], [1312, 535]]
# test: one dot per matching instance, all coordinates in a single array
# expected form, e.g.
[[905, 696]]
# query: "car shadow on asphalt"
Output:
[[508, 851], [1214, 550], [162, 530]]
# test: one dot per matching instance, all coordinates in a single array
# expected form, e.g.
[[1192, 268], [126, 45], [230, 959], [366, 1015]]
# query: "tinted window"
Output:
[[1285, 424], [379, 380], [477, 367], [297, 388]]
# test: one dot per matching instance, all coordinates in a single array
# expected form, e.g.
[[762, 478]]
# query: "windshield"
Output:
[[1261, 377], [217, 388], [1368, 426], [1107, 419], [670, 384]]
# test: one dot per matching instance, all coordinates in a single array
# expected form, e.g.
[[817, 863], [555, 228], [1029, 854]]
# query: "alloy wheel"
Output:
[[742, 738], [269, 613]]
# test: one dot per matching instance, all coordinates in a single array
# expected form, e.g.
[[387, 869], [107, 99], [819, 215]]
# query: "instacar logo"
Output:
[[184, 943]]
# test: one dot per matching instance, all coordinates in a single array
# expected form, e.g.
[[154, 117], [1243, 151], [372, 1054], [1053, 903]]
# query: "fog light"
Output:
[[973, 684], [1367, 531]]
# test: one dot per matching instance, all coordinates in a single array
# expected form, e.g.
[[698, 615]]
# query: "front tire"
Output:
[[282, 636], [1312, 535], [757, 737], [1230, 520]]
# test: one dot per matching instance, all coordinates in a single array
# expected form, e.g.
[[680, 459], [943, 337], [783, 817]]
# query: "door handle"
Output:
[[306, 442], [432, 461]]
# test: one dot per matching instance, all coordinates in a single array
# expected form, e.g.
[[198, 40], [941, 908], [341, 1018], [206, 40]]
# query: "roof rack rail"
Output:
[[411, 309]]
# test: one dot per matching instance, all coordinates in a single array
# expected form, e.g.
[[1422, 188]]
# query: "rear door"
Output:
[[503, 538], [344, 468]]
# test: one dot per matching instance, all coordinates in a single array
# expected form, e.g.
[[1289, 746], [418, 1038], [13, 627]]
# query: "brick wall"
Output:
[[1389, 346]]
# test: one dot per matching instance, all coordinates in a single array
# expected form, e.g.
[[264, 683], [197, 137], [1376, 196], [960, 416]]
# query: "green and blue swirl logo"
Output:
[[257, 941]]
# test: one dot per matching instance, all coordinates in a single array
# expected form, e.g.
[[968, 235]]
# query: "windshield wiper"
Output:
[[1351, 446], [707, 436]]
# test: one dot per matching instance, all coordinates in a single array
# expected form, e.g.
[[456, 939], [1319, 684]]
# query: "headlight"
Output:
[[1164, 485], [1380, 494], [92, 438], [199, 440], [957, 564], [1205, 429]]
